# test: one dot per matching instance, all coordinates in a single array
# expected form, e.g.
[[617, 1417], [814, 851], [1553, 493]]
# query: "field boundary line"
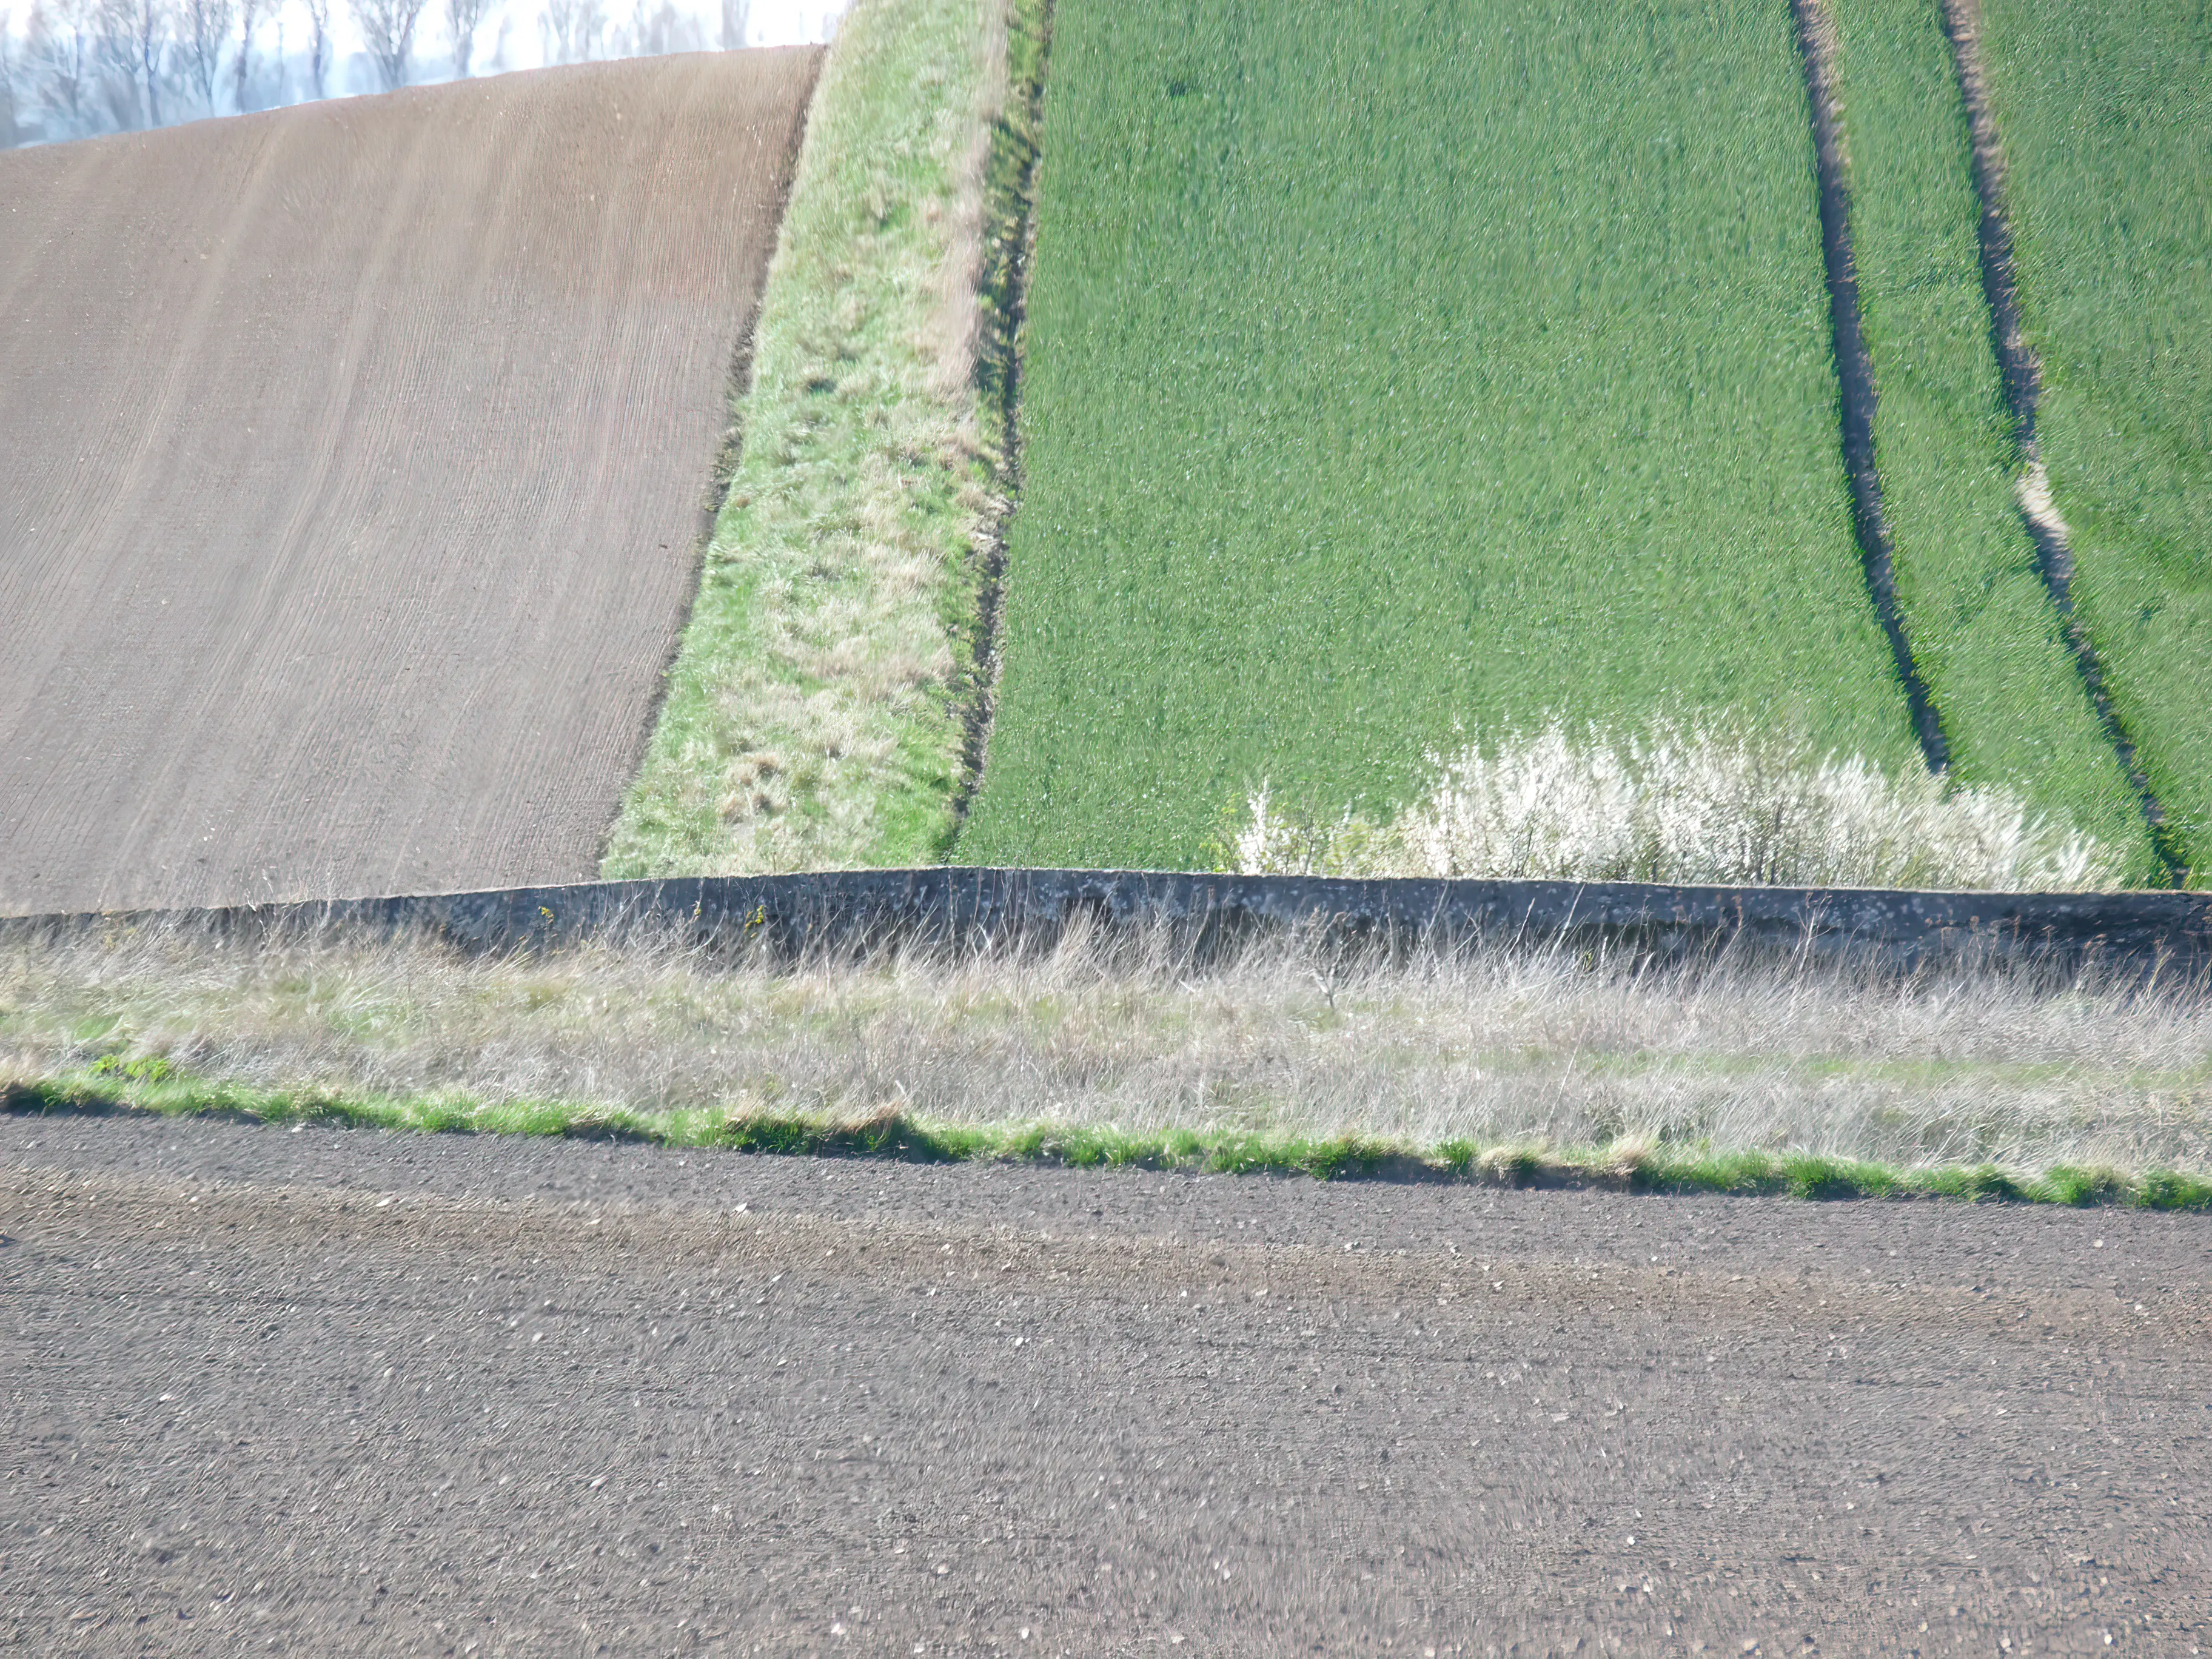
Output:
[[814, 712], [1855, 382], [728, 453], [1624, 1166], [972, 907], [2020, 376]]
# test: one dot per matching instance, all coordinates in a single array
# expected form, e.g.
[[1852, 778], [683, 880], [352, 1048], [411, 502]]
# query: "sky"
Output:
[[770, 23], [512, 36]]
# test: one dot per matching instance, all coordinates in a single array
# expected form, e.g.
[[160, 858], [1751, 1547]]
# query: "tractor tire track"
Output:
[[1854, 373], [2020, 374]]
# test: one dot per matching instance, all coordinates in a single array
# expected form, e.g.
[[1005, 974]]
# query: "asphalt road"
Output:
[[327, 1392]]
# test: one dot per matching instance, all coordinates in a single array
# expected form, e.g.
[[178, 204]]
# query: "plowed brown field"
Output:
[[351, 458], [423, 1395]]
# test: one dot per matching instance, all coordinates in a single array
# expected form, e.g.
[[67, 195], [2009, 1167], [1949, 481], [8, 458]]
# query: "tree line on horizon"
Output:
[[78, 68]]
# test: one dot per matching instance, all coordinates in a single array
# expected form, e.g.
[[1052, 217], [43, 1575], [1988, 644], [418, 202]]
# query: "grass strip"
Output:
[[817, 711], [1628, 1165], [1984, 635]]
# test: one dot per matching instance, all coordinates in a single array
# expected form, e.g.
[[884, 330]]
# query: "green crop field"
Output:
[[2104, 113], [1396, 373], [1984, 634]]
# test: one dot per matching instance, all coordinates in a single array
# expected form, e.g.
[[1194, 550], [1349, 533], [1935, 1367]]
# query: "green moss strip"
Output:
[[152, 1087]]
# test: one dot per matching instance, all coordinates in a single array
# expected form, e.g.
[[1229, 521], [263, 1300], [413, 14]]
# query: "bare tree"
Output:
[[202, 27], [120, 97], [59, 53], [387, 26], [571, 29], [117, 108], [10, 74], [734, 20], [462, 19], [241, 67], [138, 36], [9, 57], [661, 29], [318, 43]]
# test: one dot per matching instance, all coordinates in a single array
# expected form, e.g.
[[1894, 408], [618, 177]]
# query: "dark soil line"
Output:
[[1854, 373], [2021, 377], [1017, 146]]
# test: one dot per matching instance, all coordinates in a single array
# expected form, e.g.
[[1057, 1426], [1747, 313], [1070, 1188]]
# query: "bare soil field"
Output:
[[326, 1391], [355, 458]]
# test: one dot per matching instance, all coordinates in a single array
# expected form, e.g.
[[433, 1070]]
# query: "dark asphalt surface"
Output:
[[331, 1392]]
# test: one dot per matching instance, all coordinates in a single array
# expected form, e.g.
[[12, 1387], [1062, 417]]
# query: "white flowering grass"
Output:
[[1697, 804]]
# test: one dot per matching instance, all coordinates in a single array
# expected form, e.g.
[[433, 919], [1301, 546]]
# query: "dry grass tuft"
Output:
[[1629, 1154], [1512, 1161], [1519, 1050]]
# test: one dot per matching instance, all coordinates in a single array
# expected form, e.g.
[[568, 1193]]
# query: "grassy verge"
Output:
[[817, 710], [1399, 372], [1629, 1164], [1984, 634], [1289, 1054], [2101, 111]]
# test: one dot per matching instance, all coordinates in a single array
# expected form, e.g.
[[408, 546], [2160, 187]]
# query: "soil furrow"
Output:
[[382, 604]]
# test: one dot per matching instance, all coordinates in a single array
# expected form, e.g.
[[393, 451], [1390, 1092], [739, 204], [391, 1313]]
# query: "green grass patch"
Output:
[[1393, 373], [818, 708], [899, 1136], [2103, 111], [1984, 634]]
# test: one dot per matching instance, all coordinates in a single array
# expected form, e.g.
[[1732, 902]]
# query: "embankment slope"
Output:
[[354, 463]]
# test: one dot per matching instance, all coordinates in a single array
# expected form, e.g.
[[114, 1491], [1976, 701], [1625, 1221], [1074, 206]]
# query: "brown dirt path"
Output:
[[321, 1392], [351, 460]]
